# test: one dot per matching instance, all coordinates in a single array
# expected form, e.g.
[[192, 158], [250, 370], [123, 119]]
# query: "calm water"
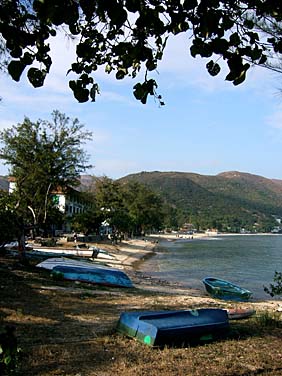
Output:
[[249, 261]]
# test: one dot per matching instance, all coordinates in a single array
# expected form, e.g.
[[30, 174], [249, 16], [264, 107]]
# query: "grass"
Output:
[[64, 328]]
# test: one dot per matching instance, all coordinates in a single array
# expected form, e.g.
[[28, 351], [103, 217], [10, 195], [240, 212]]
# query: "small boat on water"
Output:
[[85, 271], [173, 327], [221, 289]]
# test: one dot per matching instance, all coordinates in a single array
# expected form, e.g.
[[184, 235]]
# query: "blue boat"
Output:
[[221, 289], [85, 271], [96, 275], [162, 328]]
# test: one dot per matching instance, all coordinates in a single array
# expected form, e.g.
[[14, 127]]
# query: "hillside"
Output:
[[228, 199]]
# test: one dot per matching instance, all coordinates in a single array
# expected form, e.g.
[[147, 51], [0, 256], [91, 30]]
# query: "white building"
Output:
[[69, 202]]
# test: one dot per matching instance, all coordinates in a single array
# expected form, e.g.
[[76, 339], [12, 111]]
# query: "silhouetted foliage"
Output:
[[128, 37], [276, 288]]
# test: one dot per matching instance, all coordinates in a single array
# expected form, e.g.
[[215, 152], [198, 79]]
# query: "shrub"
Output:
[[275, 289]]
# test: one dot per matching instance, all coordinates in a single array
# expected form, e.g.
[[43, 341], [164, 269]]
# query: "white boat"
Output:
[[52, 262], [60, 251], [93, 252]]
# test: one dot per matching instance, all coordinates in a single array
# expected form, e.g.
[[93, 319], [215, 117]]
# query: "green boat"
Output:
[[221, 289]]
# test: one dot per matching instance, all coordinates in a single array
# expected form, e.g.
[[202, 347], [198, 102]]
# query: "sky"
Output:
[[207, 126]]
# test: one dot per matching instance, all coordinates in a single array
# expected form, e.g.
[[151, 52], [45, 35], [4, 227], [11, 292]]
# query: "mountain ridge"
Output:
[[225, 198]]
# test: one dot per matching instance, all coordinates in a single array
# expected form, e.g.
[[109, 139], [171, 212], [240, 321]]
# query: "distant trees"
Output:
[[129, 208], [128, 37], [145, 207], [215, 202], [110, 199], [43, 156], [90, 220]]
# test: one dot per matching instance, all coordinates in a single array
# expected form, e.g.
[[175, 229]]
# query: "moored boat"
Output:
[[173, 327], [221, 289]]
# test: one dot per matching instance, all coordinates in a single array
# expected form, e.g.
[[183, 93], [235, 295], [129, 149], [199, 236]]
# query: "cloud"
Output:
[[115, 168], [6, 123], [63, 53], [179, 69], [275, 120], [3, 170]]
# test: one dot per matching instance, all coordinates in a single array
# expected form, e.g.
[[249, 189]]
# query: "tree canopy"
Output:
[[43, 156], [128, 37], [130, 207], [9, 228]]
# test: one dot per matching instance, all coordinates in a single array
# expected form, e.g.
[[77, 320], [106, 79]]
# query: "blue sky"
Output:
[[207, 126]]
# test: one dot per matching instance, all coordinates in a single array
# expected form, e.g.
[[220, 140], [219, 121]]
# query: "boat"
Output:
[[101, 253], [78, 252], [162, 328], [14, 246], [240, 313], [85, 271], [91, 252], [221, 289]]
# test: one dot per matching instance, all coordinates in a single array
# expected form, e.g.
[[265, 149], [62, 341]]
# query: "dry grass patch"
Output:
[[66, 328]]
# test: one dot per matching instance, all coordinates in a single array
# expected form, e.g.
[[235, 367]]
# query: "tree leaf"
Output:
[[213, 68], [120, 74], [234, 39], [79, 92], [241, 78], [36, 77], [15, 69]]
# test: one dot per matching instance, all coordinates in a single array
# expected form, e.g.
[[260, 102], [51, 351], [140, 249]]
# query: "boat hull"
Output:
[[106, 277], [84, 271], [240, 313], [173, 327], [93, 252], [221, 289]]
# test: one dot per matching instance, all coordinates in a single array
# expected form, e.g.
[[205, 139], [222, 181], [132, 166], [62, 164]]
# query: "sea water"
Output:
[[246, 260]]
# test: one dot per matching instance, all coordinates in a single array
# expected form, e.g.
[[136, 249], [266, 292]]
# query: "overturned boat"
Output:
[[162, 328], [84, 271]]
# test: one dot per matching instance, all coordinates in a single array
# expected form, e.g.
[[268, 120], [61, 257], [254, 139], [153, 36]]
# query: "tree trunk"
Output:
[[21, 246]]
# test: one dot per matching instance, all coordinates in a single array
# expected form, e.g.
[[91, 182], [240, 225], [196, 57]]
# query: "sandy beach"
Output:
[[69, 328], [130, 253]]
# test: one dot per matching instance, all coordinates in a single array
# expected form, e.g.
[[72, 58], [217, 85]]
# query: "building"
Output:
[[69, 202]]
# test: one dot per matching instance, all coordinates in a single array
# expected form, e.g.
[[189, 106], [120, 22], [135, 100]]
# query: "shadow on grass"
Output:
[[68, 328], [263, 324]]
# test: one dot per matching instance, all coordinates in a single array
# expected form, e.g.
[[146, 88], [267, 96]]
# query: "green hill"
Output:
[[229, 201]]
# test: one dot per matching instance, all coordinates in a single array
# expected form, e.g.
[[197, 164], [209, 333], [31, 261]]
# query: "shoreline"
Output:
[[130, 254]]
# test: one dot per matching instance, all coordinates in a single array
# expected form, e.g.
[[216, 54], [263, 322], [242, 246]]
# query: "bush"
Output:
[[275, 289], [9, 351]]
